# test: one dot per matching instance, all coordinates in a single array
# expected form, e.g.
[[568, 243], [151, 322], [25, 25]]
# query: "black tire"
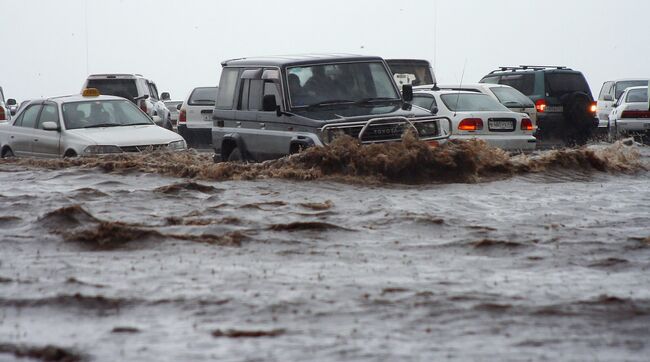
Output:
[[8, 153], [70, 154], [235, 156]]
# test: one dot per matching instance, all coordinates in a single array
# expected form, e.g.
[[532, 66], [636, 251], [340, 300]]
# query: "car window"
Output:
[[559, 84], [204, 96], [29, 116], [424, 101], [464, 102], [153, 91], [106, 113], [525, 83], [271, 88], [418, 72], [49, 113], [491, 80], [511, 97], [607, 86], [125, 88], [227, 86], [254, 100], [622, 86], [637, 95]]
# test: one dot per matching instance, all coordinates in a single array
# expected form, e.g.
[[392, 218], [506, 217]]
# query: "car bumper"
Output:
[[509, 143], [633, 125], [196, 137]]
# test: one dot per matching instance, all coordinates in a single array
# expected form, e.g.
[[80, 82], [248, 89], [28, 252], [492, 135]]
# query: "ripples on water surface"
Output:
[[461, 253]]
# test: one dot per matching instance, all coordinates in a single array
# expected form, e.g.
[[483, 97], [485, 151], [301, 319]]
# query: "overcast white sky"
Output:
[[49, 48]]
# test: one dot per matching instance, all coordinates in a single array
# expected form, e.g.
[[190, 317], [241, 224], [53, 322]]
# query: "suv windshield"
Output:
[[339, 84], [622, 86], [464, 102], [559, 84], [204, 96], [637, 96], [112, 113], [511, 97], [124, 88]]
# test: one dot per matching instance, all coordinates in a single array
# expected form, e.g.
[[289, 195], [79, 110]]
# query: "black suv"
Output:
[[275, 106], [564, 103]]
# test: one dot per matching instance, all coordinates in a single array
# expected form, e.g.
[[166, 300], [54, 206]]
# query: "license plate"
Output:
[[555, 109], [501, 125]]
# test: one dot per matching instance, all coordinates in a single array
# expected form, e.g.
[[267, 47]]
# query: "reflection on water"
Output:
[[392, 252]]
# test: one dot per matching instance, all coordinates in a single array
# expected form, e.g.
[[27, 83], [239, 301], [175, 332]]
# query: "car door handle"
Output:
[[35, 139]]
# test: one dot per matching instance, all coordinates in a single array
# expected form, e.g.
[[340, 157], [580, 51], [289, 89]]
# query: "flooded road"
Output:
[[480, 257]]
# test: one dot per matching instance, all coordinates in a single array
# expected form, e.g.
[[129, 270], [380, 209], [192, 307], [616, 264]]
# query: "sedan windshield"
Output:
[[464, 102], [339, 84], [637, 95], [113, 113]]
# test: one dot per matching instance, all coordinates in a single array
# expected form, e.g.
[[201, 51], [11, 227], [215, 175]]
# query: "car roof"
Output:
[[407, 60], [628, 80], [528, 69], [286, 60], [635, 88], [115, 75], [76, 98]]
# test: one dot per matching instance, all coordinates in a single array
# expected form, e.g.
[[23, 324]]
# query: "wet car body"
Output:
[[265, 111], [631, 115], [195, 117], [43, 129]]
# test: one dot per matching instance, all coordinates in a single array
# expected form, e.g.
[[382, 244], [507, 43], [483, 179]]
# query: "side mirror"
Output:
[[145, 97], [157, 120], [434, 110], [608, 98], [50, 126], [178, 107], [11, 102], [269, 103], [165, 96], [407, 92]]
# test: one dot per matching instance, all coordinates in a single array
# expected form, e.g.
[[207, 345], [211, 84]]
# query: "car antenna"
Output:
[[462, 76]]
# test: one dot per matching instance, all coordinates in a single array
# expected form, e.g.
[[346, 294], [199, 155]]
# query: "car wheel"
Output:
[[235, 156], [8, 153], [70, 154]]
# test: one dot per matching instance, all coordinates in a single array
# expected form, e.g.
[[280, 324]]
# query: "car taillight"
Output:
[[540, 105], [143, 106], [3, 114], [182, 116], [593, 108], [635, 114], [471, 124], [526, 124]]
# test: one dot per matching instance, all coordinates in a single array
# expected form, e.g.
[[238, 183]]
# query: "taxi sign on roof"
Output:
[[91, 92]]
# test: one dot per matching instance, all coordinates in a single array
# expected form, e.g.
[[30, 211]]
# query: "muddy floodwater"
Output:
[[480, 256]]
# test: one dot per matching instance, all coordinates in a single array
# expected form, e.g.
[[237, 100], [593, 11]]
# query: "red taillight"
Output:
[[540, 105], [526, 124], [593, 108], [182, 116], [471, 124], [143, 106], [3, 114], [636, 114]]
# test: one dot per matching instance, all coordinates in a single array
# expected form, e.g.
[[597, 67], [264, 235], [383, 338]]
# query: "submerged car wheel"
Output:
[[235, 156], [70, 154], [7, 153]]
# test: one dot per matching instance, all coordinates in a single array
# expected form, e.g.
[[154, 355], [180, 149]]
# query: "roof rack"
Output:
[[530, 67]]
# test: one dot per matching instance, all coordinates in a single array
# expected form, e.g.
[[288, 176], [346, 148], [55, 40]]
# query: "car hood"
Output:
[[360, 112], [127, 136]]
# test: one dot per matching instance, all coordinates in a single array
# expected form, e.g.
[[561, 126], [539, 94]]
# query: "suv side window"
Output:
[[255, 95], [271, 88], [50, 113], [153, 91], [227, 87], [28, 118]]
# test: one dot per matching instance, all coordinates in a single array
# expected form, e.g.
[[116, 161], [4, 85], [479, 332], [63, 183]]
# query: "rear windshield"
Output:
[[206, 96], [622, 86], [637, 96], [559, 84], [510, 97], [417, 72], [525, 83], [463, 102], [125, 88]]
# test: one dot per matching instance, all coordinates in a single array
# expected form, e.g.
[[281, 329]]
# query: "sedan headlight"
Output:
[[177, 145], [101, 149], [427, 129]]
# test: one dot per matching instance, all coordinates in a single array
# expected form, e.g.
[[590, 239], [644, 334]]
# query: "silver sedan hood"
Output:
[[127, 135]]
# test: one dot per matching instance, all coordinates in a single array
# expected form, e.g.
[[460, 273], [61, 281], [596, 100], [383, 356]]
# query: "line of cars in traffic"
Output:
[[265, 108]]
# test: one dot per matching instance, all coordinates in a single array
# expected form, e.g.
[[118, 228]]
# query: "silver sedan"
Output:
[[83, 125]]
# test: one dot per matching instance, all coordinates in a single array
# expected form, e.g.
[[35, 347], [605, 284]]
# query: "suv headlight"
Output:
[[101, 149], [427, 129], [177, 145]]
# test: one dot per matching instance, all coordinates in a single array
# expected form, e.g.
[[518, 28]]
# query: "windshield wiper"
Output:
[[104, 125], [376, 100], [138, 124], [330, 102]]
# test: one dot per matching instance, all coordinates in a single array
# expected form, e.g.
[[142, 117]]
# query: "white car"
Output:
[[631, 115], [610, 92], [195, 117], [5, 113], [83, 125], [479, 116], [506, 95], [135, 88]]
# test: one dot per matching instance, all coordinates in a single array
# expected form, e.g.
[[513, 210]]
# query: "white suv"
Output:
[[610, 93], [135, 88], [195, 117]]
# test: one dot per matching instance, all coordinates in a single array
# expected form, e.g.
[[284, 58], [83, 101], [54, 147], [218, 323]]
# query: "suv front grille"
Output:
[[387, 130], [142, 148]]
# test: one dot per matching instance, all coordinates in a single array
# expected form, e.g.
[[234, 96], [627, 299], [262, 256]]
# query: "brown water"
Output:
[[393, 252]]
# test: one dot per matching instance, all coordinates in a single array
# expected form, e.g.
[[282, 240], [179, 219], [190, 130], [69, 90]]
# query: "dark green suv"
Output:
[[564, 103]]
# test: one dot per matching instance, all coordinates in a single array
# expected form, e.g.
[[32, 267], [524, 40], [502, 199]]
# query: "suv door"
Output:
[[277, 138], [23, 132], [248, 104], [47, 143]]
